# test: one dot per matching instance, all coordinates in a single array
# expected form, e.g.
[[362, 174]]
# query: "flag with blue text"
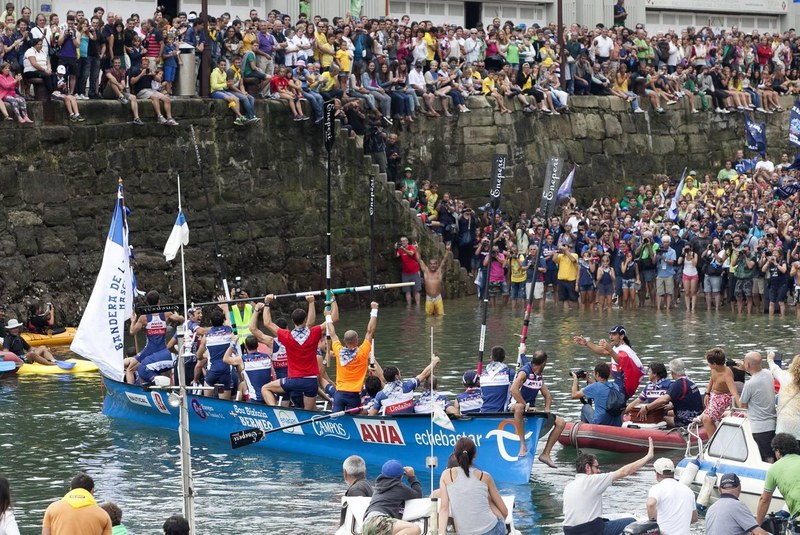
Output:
[[673, 206], [794, 124], [755, 134], [101, 331], [179, 236]]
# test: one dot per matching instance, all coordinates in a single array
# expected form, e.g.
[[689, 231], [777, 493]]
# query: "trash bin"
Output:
[[186, 82]]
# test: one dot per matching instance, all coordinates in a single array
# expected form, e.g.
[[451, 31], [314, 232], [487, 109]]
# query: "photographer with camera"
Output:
[[713, 257], [69, 43], [774, 265], [41, 317], [497, 275]]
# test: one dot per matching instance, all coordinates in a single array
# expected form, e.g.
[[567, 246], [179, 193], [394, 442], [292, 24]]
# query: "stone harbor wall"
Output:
[[613, 147], [267, 189]]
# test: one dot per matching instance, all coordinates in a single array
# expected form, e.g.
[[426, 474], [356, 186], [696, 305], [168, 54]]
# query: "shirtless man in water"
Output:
[[432, 274]]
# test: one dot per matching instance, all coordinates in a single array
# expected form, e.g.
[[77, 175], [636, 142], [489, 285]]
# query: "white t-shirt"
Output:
[[766, 165], [603, 46], [674, 506], [41, 60], [8, 524], [583, 498]]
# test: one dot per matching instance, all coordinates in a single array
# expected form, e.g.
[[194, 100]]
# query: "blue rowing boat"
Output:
[[406, 438]]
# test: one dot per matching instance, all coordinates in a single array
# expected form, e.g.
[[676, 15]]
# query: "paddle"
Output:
[[64, 365], [7, 366], [251, 435], [498, 175]]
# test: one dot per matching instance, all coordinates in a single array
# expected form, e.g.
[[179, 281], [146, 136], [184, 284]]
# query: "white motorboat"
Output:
[[417, 511], [731, 449]]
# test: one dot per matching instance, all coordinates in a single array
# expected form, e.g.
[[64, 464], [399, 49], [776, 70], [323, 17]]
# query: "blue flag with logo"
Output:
[[673, 206], [747, 165], [755, 134], [794, 123]]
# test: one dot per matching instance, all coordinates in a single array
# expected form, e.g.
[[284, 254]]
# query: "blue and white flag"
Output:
[[794, 124], [565, 191], [178, 237], [673, 206], [747, 165], [101, 331], [755, 134]]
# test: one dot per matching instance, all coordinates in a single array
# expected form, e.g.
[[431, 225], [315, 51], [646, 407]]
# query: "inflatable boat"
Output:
[[630, 438]]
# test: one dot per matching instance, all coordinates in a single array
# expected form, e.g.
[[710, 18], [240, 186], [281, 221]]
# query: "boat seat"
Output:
[[417, 511]]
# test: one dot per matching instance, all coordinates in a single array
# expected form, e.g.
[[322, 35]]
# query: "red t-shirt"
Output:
[[302, 359], [409, 263], [278, 83]]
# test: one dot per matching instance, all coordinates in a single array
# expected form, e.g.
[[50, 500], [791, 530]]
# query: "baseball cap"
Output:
[[629, 188], [729, 481], [664, 466], [470, 377], [675, 227], [61, 69], [618, 329], [392, 468]]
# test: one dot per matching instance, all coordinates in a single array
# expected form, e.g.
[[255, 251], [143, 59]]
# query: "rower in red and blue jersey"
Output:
[[191, 340], [397, 396], [155, 358], [658, 385], [222, 346], [496, 382], [258, 370], [527, 384], [429, 396], [470, 400]]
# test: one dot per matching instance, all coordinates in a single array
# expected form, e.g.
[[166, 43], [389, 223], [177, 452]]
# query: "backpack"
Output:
[[616, 402]]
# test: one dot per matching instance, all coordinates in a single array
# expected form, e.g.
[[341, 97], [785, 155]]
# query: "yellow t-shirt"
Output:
[[567, 269], [343, 59], [324, 51], [326, 82], [247, 42], [431, 199], [691, 192], [431, 42], [518, 274], [487, 86], [350, 376], [219, 80]]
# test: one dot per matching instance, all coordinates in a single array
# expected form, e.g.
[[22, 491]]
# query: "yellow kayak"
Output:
[[60, 339], [81, 366]]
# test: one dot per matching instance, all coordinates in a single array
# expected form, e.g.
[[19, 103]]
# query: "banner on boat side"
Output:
[[328, 120], [552, 178], [101, 331], [498, 176], [376, 431]]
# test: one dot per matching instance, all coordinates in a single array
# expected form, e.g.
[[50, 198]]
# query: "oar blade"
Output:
[[7, 366], [64, 365], [246, 437]]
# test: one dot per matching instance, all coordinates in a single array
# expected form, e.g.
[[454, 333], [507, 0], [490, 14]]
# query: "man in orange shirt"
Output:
[[77, 513], [352, 361]]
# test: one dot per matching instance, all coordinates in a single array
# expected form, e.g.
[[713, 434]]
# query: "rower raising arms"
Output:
[[352, 361], [301, 353], [397, 396], [527, 384], [220, 341], [155, 357], [432, 275]]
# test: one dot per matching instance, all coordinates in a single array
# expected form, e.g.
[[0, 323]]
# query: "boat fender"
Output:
[[704, 496], [690, 472], [646, 527]]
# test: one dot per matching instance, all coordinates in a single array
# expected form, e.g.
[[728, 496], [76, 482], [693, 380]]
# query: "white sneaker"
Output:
[[694, 111], [720, 110], [638, 110], [762, 110]]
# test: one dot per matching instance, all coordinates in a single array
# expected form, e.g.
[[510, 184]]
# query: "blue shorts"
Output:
[[647, 275], [551, 277], [346, 400], [606, 289], [587, 287], [777, 292], [169, 74], [307, 386], [220, 377], [628, 284], [154, 364], [518, 290]]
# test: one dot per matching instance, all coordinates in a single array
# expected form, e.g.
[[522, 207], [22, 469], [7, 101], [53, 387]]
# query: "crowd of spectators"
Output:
[[734, 238], [387, 69]]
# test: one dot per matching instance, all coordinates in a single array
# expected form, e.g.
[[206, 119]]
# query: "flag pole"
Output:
[[185, 442], [433, 461]]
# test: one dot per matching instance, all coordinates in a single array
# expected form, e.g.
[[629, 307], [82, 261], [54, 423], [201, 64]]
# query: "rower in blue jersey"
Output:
[[496, 382], [524, 390], [470, 400], [258, 370], [397, 396], [192, 333], [658, 385], [155, 358], [221, 343], [275, 349], [425, 402]]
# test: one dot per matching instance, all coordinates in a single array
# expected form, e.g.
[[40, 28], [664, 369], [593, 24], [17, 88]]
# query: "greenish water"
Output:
[[52, 426]]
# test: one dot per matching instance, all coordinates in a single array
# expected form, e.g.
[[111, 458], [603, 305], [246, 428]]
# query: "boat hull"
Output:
[[406, 438], [81, 366], [621, 439], [60, 339], [8, 356]]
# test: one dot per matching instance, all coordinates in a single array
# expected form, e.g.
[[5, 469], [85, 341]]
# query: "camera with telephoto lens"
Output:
[[580, 373]]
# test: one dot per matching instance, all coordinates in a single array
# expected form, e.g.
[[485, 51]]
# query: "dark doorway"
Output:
[[169, 8], [472, 14]]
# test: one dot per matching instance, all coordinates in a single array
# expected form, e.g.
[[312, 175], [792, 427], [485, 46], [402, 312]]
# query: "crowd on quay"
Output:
[[733, 239], [381, 70]]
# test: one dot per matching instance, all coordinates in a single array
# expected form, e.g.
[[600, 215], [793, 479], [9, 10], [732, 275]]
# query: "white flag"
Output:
[[178, 236], [441, 419], [100, 334]]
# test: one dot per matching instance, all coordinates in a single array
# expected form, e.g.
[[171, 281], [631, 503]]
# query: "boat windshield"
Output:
[[729, 443]]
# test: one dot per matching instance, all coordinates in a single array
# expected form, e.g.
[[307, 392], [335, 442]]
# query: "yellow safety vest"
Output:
[[241, 318]]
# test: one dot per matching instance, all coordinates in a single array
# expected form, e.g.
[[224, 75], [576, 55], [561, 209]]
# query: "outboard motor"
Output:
[[775, 524], [645, 527]]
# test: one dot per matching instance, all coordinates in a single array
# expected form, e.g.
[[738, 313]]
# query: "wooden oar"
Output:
[[245, 437]]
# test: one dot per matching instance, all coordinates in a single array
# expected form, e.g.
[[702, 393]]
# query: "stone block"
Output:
[[619, 105], [612, 147], [36, 187], [50, 267], [478, 117], [613, 126], [477, 135], [23, 218], [592, 146], [594, 126], [305, 246], [574, 151], [579, 126], [582, 102], [663, 144], [628, 122], [26, 241]]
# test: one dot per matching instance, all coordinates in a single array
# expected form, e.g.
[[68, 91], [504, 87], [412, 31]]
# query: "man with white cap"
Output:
[[729, 516], [666, 259], [14, 343], [669, 503]]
